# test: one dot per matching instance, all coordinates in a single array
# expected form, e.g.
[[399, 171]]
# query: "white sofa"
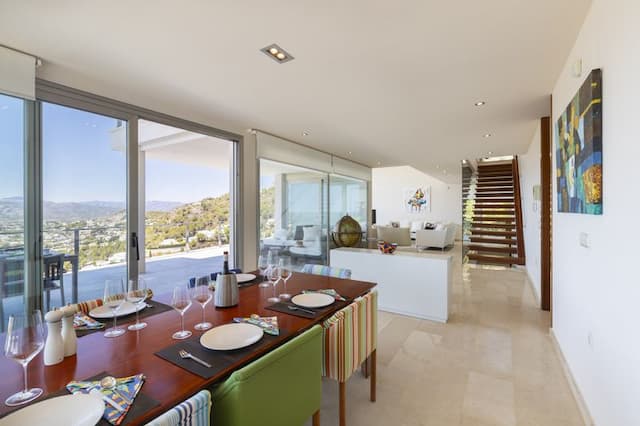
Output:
[[441, 237], [399, 236]]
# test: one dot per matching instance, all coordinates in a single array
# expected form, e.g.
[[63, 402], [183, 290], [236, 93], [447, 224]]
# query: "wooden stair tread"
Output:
[[504, 260], [506, 241], [492, 225], [508, 206], [492, 249], [491, 233]]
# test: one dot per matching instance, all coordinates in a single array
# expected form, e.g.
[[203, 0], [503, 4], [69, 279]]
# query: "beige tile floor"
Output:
[[493, 363]]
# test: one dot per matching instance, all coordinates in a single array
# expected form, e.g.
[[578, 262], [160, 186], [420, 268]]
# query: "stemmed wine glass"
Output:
[[285, 273], [181, 302], [273, 273], [23, 342], [113, 299], [137, 294], [263, 265], [202, 295]]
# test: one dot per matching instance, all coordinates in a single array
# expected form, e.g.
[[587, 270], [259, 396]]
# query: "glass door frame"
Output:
[[68, 97]]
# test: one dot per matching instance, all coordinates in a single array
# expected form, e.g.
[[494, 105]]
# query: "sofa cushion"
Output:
[[311, 233]]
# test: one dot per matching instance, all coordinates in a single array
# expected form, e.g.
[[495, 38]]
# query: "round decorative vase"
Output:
[[347, 232], [387, 248]]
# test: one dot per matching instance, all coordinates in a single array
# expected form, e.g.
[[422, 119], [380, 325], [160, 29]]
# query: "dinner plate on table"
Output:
[[231, 336], [245, 278], [313, 300], [127, 308], [68, 410]]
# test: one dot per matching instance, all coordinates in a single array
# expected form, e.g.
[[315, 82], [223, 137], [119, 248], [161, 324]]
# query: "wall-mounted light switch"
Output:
[[584, 240]]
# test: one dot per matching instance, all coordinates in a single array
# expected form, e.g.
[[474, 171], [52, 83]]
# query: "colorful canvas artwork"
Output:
[[417, 200], [579, 150]]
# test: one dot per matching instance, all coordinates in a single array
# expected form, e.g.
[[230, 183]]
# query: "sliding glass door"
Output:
[[12, 220], [186, 181], [84, 211]]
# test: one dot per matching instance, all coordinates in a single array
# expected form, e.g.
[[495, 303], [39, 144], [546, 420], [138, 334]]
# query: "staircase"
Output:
[[495, 234]]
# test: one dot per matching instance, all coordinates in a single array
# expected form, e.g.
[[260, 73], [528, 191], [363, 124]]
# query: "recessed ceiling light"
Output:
[[349, 152], [480, 103], [437, 166], [277, 53], [305, 133], [490, 152], [486, 135], [379, 163]]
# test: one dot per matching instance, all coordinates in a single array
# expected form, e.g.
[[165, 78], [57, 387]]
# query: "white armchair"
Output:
[[441, 238]]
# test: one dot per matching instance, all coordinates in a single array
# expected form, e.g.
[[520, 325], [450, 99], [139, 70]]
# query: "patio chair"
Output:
[[255, 394], [327, 271], [349, 341], [195, 411], [53, 280]]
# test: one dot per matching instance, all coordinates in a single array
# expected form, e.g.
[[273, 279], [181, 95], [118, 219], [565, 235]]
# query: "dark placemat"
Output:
[[157, 308], [318, 312], [219, 360], [140, 406]]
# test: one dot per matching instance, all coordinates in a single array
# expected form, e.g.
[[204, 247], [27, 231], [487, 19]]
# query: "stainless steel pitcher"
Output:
[[226, 293]]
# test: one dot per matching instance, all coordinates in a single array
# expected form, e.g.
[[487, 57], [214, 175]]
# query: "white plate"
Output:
[[68, 410], [245, 278], [313, 300], [127, 308], [231, 336]]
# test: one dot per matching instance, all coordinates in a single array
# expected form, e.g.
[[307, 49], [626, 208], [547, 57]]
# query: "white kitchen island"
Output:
[[411, 283]]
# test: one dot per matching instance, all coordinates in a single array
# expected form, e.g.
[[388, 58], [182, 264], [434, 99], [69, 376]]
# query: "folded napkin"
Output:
[[85, 322], [329, 291], [268, 324], [126, 387]]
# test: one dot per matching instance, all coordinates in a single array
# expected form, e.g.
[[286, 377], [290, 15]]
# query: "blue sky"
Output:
[[79, 164]]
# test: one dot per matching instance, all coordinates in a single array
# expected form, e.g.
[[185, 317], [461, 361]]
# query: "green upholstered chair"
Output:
[[349, 341], [195, 411], [284, 387]]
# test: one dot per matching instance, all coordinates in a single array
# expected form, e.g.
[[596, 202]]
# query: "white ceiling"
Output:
[[390, 81]]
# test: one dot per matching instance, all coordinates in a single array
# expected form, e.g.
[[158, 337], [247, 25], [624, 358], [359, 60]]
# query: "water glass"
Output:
[[285, 273], [136, 294], [181, 301], [202, 295], [113, 299], [273, 273], [263, 265], [23, 341]]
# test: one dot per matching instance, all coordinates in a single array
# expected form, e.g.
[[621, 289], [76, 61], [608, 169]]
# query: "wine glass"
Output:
[[202, 295], [113, 299], [181, 302], [285, 273], [262, 266], [137, 294], [273, 273], [23, 342]]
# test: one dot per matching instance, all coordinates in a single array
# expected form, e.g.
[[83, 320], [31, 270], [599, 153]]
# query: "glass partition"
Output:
[[293, 213], [347, 196]]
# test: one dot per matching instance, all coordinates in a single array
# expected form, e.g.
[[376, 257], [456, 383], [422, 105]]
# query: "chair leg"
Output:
[[365, 368], [343, 408], [373, 360], [62, 290], [316, 418]]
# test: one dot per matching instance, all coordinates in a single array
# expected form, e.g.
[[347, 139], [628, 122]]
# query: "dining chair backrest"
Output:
[[349, 337], [283, 387], [327, 271], [195, 411]]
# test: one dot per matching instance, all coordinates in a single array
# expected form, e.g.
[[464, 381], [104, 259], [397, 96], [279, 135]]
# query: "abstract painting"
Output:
[[417, 200], [579, 150]]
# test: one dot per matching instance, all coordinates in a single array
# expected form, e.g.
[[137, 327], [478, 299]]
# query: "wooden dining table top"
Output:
[[134, 352]]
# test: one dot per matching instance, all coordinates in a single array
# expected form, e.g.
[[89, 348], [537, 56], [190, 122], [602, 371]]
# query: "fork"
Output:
[[295, 308], [186, 355]]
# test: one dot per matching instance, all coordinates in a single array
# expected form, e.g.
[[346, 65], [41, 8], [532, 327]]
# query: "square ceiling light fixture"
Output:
[[277, 53]]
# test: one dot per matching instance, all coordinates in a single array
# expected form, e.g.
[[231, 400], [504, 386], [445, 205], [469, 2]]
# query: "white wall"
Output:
[[529, 165], [596, 290], [387, 192]]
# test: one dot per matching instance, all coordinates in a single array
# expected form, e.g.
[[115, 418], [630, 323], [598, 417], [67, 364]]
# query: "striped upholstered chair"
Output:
[[86, 306], [327, 271], [349, 341], [195, 411]]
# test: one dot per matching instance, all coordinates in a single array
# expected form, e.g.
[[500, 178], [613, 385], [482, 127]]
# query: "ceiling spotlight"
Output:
[[486, 135], [490, 152], [305, 133], [277, 53], [349, 152], [480, 103]]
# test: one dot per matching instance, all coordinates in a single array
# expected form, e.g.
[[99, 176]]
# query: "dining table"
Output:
[[167, 383]]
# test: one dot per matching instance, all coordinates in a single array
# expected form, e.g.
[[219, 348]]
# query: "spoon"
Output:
[[110, 383]]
